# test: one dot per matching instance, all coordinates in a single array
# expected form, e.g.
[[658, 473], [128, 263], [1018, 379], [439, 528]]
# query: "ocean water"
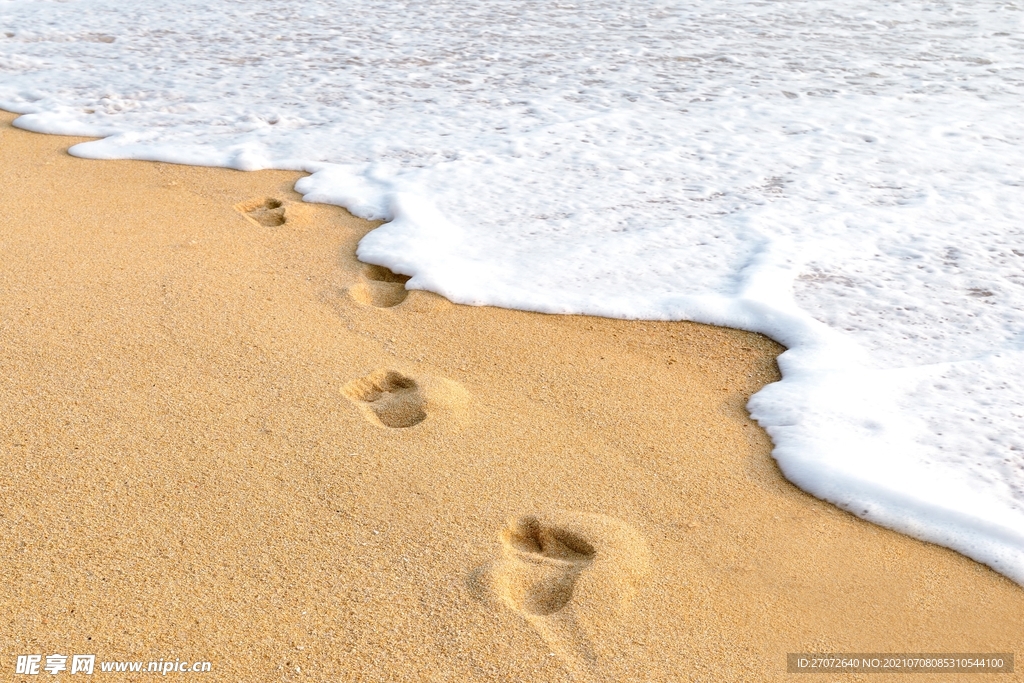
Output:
[[845, 176]]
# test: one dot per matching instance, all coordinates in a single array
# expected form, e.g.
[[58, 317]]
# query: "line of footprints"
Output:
[[387, 398], [543, 559], [378, 286]]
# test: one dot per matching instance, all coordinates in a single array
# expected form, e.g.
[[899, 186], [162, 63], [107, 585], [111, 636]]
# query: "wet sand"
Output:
[[227, 440]]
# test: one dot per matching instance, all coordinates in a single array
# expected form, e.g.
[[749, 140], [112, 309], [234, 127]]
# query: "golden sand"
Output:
[[225, 439]]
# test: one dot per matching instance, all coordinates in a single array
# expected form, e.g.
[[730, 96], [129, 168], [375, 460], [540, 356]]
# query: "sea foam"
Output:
[[844, 176]]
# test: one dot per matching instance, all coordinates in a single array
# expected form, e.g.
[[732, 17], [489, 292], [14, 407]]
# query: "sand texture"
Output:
[[223, 438]]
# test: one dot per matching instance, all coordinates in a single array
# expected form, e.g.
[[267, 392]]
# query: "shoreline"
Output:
[[210, 460]]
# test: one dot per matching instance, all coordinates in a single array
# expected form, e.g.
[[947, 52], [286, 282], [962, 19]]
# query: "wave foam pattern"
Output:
[[845, 176]]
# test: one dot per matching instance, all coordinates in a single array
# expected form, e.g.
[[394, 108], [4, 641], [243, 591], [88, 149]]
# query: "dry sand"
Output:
[[196, 462]]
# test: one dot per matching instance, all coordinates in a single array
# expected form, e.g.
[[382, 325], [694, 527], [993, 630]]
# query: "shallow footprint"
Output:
[[543, 564], [267, 211], [571, 576], [388, 398], [380, 287]]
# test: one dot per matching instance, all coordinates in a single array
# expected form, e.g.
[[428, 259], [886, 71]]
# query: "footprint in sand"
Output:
[[380, 287], [388, 398], [570, 576], [543, 565], [268, 212]]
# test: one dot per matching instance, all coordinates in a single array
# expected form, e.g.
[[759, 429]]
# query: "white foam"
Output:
[[844, 176]]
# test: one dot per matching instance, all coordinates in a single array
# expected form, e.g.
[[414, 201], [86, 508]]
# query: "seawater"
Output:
[[845, 176]]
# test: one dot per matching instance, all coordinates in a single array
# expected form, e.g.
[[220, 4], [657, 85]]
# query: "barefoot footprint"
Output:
[[543, 565], [380, 287], [388, 398], [572, 577], [267, 211]]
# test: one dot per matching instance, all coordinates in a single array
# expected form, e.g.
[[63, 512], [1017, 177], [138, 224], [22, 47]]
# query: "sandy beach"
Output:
[[225, 439]]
